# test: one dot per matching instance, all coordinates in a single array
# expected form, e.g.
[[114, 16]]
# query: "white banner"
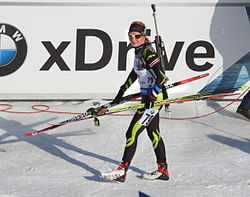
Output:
[[79, 50]]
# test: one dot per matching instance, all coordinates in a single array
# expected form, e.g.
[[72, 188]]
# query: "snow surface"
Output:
[[207, 156]]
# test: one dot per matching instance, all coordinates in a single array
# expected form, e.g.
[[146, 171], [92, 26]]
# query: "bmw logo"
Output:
[[13, 49]]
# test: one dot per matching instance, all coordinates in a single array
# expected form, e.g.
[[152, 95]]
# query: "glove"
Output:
[[92, 111], [148, 101], [118, 97]]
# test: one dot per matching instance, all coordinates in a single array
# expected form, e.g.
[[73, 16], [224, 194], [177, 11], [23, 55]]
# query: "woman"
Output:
[[151, 77]]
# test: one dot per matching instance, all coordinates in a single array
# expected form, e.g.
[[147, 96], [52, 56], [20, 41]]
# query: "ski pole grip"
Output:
[[153, 7]]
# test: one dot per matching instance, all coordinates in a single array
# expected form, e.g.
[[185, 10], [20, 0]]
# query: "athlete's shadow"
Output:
[[51, 144]]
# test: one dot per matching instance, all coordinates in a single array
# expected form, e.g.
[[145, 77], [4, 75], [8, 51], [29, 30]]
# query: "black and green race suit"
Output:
[[151, 77]]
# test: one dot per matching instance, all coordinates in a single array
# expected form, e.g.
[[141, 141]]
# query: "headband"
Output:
[[137, 28]]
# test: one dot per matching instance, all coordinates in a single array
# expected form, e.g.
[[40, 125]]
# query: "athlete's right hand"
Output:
[[92, 111]]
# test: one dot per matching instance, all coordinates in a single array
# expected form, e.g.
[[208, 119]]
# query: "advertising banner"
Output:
[[80, 50]]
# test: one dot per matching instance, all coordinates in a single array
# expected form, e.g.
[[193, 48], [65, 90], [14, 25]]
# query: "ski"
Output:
[[85, 115], [108, 111], [111, 104], [186, 80], [194, 97]]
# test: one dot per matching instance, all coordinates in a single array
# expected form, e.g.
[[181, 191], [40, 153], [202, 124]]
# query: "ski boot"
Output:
[[243, 112], [161, 173], [116, 175]]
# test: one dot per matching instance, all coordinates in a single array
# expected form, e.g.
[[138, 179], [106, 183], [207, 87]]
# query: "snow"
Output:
[[207, 156]]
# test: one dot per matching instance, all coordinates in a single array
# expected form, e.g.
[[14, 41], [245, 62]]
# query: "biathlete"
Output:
[[151, 77]]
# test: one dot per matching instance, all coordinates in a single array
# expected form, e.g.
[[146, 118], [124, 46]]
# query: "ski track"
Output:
[[207, 156]]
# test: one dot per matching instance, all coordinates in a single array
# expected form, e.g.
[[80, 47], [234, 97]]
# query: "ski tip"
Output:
[[31, 134]]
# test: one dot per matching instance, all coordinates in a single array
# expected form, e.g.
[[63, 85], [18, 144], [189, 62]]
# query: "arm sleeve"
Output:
[[129, 81]]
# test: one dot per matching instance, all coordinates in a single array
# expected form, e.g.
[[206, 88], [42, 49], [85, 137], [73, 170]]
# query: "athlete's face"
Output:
[[136, 39]]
